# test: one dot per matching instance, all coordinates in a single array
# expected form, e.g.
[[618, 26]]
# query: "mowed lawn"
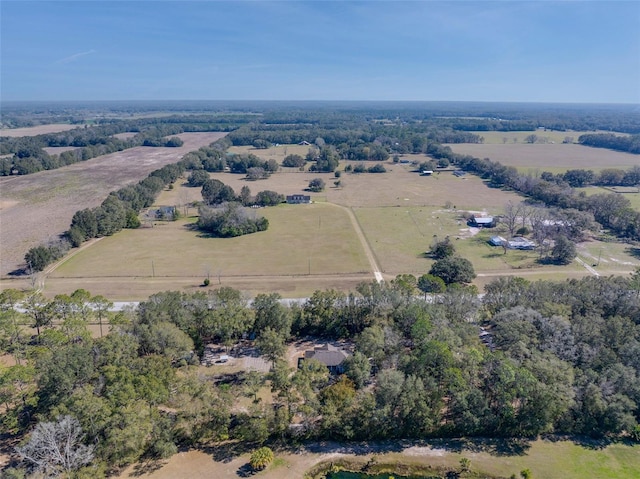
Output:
[[301, 239], [555, 158]]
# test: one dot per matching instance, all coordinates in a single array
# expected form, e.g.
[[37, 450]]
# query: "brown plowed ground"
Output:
[[37, 207]]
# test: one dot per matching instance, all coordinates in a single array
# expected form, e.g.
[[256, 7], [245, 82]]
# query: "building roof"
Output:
[[482, 220], [327, 355], [497, 240]]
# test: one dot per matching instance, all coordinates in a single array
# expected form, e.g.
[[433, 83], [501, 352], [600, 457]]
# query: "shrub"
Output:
[[261, 458]]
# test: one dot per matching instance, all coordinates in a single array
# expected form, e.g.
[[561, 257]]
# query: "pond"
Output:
[[359, 475]]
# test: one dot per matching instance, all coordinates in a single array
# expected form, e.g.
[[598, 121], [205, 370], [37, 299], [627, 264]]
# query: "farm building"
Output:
[[332, 357], [298, 199], [520, 243], [304, 143], [426, 172], [480, 221], [497, 241]]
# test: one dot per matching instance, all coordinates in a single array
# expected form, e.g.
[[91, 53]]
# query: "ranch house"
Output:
[[332, 357], [298, 199], [480, 221]]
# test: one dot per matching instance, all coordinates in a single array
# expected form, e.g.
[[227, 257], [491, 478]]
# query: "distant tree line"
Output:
[[629, 144]]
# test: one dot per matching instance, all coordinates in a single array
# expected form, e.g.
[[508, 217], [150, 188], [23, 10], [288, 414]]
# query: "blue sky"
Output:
[[292, 50]]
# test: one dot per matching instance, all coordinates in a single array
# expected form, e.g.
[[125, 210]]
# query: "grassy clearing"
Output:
[[301, 239], [37, 130]]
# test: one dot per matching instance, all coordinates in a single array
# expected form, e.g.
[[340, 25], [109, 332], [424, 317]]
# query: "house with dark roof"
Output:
[[298, 199], [481, 221], [332, 357]]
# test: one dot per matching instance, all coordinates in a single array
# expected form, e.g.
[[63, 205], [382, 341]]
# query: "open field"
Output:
[[546, 459], [277, 153], [374, 222], [544, 136], [319, 237], [37, 130], [408, 232], [40, 206], [301, 240], [555, 158]]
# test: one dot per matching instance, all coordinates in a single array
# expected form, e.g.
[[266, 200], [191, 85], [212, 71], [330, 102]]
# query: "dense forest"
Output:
[[555, 357]]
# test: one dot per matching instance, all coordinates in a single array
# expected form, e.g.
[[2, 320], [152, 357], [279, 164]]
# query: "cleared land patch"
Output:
[[408, 233], [42, 204], [547, 157]]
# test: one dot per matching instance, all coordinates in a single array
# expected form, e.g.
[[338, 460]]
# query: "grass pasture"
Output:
[[302, 240], [556, 158], [409, 231], [277, 153]]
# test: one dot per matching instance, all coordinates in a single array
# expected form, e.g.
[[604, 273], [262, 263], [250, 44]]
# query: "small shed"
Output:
[[497, 241], [426, 172]]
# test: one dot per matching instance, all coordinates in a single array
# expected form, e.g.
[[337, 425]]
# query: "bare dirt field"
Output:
[[552, 157], [37, 130], [40, 206]]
